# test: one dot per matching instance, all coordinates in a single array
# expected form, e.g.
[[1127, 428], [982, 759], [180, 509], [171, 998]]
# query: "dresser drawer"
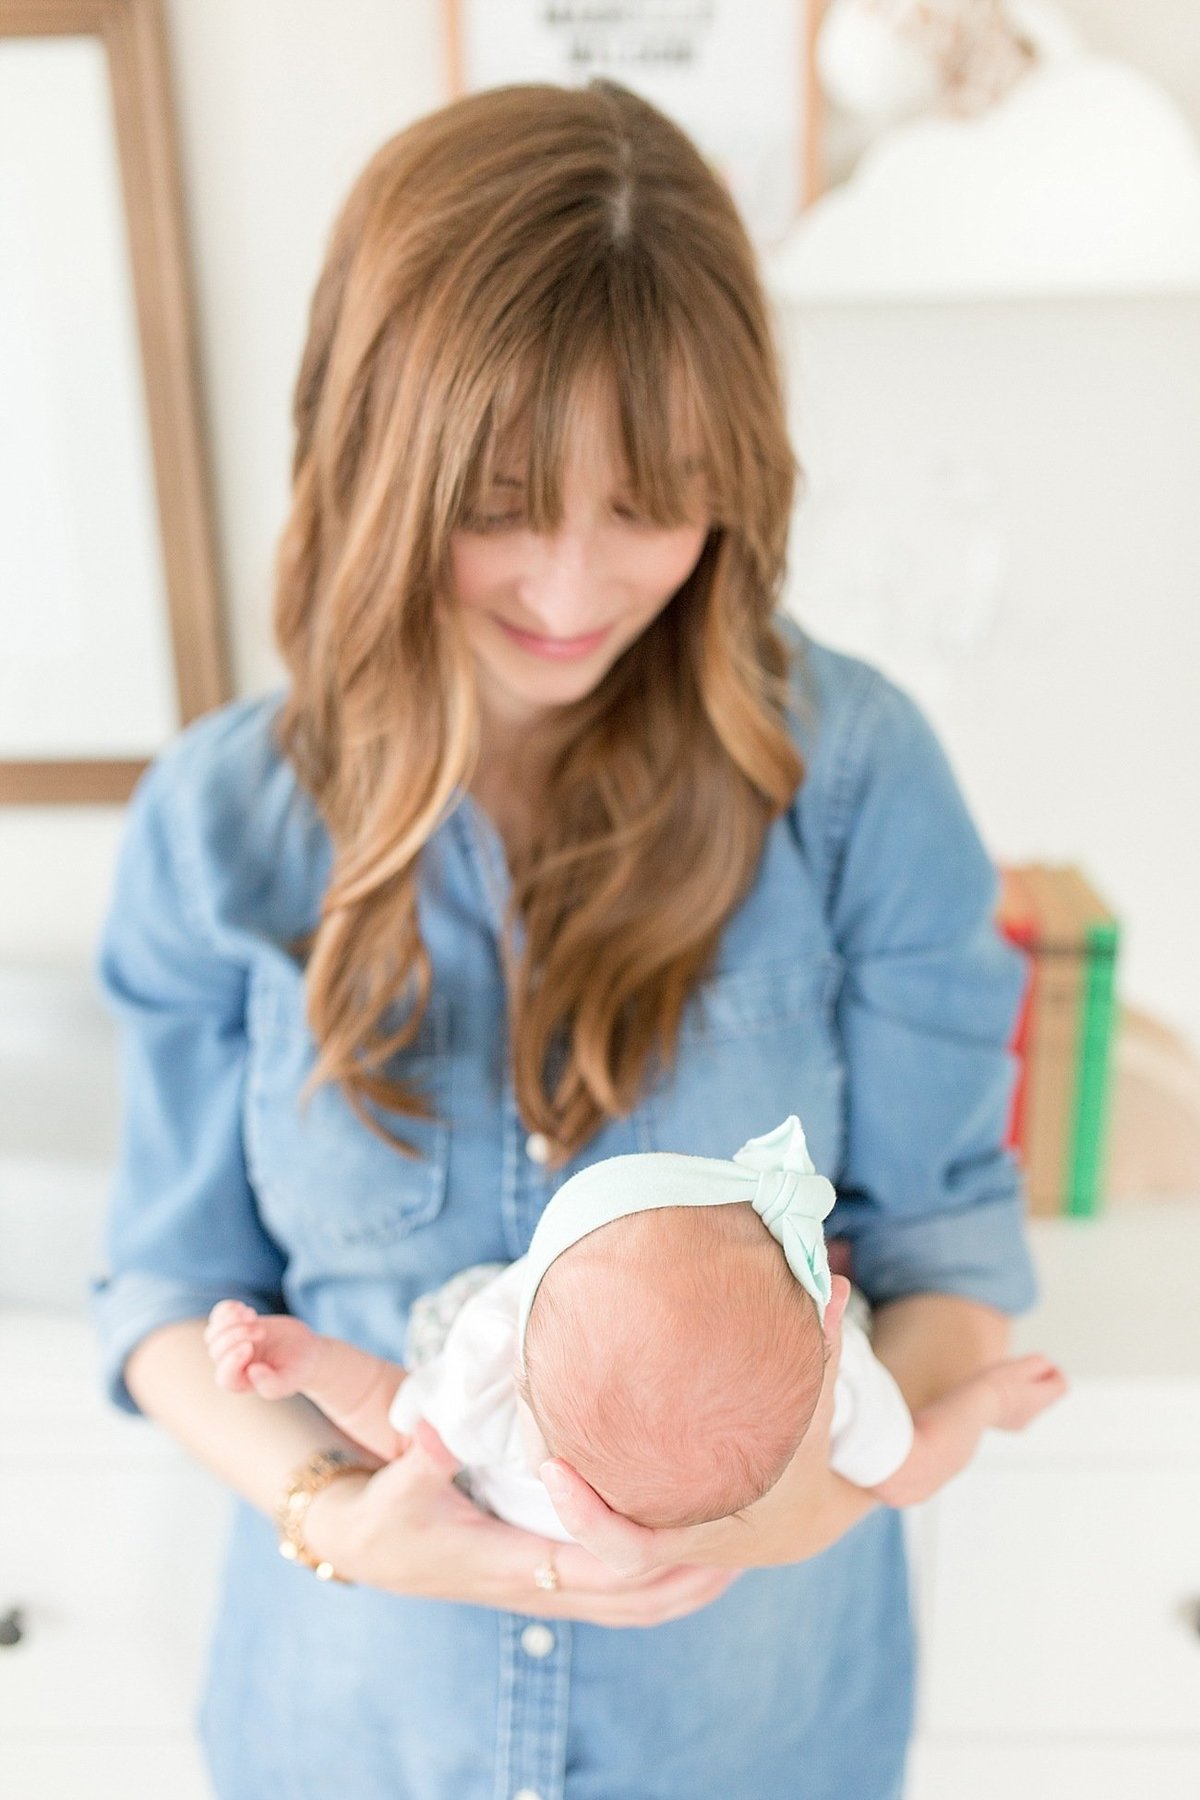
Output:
[[1062, 1601], [113, 1566], [992, 1771], [105, 1770]]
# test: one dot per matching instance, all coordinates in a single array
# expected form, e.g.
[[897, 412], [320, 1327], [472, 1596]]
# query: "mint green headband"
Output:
[[773, 1173]]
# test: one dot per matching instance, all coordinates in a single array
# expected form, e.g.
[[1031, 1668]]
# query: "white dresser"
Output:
[[96, 1691], [97, 1695], [1058, 1579]]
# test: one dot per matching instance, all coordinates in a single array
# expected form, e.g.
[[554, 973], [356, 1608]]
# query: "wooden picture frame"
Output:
[[527, 44], [132, 36]]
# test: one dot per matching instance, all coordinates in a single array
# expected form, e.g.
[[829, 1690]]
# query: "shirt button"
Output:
[[537, 1147], [527, 1794], [537, 1640]]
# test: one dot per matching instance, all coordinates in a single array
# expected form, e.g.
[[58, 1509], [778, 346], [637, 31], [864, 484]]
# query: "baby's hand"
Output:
[[1024, 1386], [274, 1355]]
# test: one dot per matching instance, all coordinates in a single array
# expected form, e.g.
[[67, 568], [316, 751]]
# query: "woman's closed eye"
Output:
[[514, 520], [509, 521]]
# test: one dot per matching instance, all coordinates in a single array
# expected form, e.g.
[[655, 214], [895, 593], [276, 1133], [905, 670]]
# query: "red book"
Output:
[[1017, 919]]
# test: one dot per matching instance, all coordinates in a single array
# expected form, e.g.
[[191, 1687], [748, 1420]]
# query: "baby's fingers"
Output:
[[225, 1313], [233, 1337], [230, 1368]]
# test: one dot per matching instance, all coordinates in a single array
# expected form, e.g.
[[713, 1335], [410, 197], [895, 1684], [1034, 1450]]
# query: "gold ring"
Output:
[[545, 1576]]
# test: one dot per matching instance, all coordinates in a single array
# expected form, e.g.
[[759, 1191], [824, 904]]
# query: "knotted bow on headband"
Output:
[[773, 1173], [792, 1201]]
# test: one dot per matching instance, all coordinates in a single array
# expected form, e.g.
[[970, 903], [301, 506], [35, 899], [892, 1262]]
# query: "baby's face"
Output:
[[673, 1359]]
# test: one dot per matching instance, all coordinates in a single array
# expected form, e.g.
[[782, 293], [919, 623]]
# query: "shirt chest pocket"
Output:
[[754, 1045], [324, 1181]]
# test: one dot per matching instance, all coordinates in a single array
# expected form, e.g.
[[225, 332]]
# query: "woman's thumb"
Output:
[[443, 1462]]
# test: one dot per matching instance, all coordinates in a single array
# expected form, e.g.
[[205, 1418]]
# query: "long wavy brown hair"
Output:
[[491, 259]]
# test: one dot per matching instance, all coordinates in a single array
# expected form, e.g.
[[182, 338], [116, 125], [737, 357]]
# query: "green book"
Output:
[[1085, 1163]]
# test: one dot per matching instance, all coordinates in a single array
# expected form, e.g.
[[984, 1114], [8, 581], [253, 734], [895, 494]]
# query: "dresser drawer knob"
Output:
[[1189, 1614], [12, 1627]]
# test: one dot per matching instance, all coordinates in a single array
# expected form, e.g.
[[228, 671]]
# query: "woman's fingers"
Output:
[[671, 1594], [685, 1591], [439, 1459], [628, 1548], [639, 1607], [421, 1474], [839, 1256], [446, 1547], [590, 1590], [835, 1311]]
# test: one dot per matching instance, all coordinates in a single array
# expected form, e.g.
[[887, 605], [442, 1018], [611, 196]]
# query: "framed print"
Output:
[[109, 624], [737, 75]]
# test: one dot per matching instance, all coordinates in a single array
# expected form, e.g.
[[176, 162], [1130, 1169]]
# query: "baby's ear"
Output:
[[839, 1294]]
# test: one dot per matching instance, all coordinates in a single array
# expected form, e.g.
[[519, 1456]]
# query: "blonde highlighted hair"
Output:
[[491, 260]]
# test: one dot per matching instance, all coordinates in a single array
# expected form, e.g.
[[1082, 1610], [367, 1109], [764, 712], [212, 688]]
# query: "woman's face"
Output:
[[547, 616]]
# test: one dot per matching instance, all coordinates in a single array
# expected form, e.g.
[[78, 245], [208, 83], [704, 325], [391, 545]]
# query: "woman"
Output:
[[560, 843]]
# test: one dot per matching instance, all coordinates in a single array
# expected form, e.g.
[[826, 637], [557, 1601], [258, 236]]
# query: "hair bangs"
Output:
[[612, 353]]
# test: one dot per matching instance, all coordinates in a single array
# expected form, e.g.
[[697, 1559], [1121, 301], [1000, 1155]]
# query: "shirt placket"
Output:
[[525, 1181], [534, 1654], [531, 1734]]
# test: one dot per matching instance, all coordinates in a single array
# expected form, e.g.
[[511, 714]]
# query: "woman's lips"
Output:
[[554, 649]]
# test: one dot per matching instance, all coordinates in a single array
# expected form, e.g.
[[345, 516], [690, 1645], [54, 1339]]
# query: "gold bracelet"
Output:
[[295, 1498]]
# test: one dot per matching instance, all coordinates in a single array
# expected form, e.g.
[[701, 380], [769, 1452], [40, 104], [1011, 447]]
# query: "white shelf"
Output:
[[1084, 182]]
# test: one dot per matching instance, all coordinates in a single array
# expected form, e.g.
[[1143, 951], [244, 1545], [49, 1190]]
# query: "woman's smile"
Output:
[[558, 649]]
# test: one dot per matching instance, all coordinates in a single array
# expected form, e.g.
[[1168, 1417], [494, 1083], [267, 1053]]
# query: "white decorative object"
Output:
[[887, 60], [1086, 178]]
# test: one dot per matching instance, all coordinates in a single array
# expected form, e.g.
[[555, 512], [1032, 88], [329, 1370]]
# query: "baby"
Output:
[[665, 1335]]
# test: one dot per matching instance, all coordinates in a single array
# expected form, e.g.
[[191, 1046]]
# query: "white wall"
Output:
[[1075, 724]]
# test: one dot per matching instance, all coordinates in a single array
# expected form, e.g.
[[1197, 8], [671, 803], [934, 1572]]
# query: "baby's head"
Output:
[[672, 1357]]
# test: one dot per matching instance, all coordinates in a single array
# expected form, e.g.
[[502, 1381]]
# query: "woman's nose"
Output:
[[561, 586]]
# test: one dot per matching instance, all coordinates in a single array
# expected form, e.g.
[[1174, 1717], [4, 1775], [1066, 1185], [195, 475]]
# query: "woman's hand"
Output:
[[808, 1509], [409, 1530]]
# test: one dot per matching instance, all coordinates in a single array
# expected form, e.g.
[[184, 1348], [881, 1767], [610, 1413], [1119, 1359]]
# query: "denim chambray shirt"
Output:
[[861, 984]]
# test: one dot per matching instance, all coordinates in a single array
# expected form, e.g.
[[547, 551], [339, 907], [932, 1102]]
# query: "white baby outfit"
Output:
[[467, 1392]]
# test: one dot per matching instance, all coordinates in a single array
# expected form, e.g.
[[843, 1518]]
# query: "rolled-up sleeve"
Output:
[[183, 1230], [929, 1195]]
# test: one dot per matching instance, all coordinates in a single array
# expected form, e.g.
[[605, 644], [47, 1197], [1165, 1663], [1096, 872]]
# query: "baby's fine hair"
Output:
[[673, 1359]]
